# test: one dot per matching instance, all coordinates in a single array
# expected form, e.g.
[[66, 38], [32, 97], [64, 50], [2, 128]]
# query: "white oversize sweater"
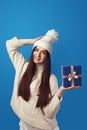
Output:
[[27, 111]]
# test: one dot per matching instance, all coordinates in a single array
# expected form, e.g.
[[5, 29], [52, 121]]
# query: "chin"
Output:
[[37, 62]]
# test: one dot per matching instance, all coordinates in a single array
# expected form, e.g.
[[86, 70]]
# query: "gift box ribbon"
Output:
[[72, 75]]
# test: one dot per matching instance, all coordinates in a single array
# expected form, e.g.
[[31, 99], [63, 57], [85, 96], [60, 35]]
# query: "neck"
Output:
[[39, 68]]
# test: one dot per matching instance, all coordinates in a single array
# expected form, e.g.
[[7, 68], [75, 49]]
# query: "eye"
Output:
[[36, 49], [44, 52]]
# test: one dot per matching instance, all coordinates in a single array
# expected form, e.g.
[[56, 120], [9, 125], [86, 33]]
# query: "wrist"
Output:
[[59, 97], [60, 92]]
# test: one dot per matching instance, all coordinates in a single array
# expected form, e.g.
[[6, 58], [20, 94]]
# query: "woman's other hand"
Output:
[[62, 89]]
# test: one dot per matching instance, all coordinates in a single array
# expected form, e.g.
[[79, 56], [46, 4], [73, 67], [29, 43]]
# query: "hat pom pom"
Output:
[[53, 35]]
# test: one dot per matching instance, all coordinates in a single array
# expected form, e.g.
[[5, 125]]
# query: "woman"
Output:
[[36, 97]]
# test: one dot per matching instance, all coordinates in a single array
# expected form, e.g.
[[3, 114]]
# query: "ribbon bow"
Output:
[[72, 76]]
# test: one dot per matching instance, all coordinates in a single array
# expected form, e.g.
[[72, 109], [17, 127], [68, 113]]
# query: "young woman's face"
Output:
[[39, 55]]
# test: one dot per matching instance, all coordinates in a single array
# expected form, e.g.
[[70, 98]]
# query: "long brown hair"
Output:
[[44, 88]]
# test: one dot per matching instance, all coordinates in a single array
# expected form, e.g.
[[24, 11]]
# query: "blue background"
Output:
[[32, 18]]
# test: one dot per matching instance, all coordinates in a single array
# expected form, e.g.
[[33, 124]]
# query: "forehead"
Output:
[[40, 48]]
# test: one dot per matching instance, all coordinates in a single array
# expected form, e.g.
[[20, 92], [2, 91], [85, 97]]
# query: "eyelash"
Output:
[[42, 51], [36, 50]]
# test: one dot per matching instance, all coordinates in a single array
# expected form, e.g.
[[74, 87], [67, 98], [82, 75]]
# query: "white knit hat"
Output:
[[46, 42]]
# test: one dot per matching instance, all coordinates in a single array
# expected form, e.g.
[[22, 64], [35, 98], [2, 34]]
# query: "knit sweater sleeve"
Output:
[[52, 108], [16, 57]]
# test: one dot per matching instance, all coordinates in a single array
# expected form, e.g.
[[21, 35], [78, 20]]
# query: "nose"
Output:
[[38, 54]]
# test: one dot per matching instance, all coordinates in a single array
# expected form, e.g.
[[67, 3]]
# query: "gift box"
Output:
[[71, 75]]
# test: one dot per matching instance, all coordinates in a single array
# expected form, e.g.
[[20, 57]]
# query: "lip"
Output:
[[36, 58]]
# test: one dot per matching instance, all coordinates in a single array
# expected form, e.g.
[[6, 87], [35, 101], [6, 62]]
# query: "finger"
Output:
[[77, 87]]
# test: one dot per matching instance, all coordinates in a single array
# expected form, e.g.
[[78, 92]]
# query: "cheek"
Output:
[[43, 57], [34, 53]]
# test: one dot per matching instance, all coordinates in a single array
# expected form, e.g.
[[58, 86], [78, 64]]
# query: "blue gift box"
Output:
[[71, 75]]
